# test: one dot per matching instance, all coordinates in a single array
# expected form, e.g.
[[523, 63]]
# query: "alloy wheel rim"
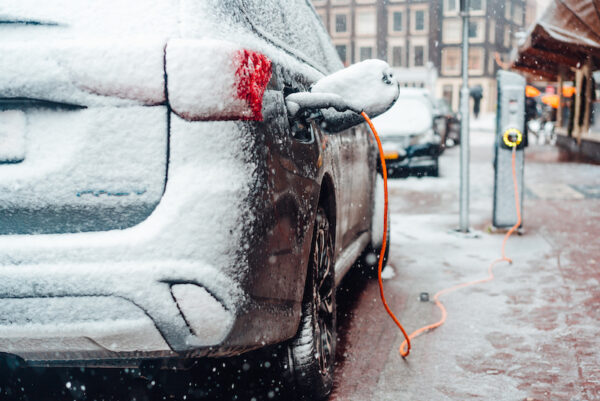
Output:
[[323, 296]]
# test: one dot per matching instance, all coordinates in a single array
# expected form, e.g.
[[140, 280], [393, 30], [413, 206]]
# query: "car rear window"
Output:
[[293, 25]]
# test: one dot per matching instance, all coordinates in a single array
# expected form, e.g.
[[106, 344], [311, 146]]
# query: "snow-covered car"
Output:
[[156, 200], [410, 142]]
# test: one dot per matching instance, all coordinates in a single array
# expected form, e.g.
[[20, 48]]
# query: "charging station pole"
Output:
[[464, 126], [510, 126]]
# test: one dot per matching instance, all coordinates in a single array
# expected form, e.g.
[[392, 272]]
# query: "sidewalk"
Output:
[[532, 333]]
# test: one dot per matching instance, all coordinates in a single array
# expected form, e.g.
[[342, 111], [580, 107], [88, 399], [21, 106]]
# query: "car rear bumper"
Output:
[[175, 279], [421, 160], [114, 311]]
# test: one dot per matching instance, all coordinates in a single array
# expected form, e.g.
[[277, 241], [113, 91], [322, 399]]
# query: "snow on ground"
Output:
[[518, 337], [388, 272]]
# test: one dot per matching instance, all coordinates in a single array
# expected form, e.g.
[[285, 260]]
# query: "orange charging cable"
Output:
[[405, 346], [385, 230]]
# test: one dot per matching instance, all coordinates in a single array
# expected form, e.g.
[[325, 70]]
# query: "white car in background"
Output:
[[410, 143]]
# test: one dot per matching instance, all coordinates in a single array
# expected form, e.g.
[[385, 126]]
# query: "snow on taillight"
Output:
[[215, 80]]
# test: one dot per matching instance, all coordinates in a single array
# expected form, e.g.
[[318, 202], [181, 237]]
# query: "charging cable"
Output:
[[512, 138], [384, 243], [512, 142]]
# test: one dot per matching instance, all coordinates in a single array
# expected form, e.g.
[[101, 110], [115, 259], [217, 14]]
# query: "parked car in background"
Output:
[[157, 203], [410, 142], [447, 123]]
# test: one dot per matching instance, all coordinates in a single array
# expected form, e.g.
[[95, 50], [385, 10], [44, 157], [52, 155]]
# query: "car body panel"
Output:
[[235, 219]]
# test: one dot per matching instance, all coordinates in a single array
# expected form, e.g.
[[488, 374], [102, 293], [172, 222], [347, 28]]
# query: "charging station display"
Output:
[[510, 131]]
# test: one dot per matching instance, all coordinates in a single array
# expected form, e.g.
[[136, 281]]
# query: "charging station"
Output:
[[510, 131]]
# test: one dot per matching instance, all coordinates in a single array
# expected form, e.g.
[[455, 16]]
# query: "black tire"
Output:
[[312, 351]]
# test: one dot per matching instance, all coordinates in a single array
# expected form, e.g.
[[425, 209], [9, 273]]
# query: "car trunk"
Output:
[[83, 121]]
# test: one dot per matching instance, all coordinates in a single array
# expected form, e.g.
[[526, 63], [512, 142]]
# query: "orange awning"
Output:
[[531, 91], [569, 91], [567, 34], [551, 100]]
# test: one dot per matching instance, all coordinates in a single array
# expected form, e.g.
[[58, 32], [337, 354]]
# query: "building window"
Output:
[[451, 61], [397, 56], [518, 14], [476, 5], [397, 25], [341, 23], [365, 23], [365, 53], [450, 5], [472, 29], [419, 56], [420, 20], [342, 51], [451, 31], [476, 60], [477, 30]]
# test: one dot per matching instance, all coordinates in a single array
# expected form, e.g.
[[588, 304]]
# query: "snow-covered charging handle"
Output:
[[368, 86]]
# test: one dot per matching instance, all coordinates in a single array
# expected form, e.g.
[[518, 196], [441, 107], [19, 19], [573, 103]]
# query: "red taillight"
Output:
[[253, 75], [215, 80]]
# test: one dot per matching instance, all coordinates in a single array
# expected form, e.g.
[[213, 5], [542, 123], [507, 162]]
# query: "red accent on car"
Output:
[[253, 75]]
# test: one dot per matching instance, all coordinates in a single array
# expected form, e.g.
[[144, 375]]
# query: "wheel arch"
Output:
[[328, 202]]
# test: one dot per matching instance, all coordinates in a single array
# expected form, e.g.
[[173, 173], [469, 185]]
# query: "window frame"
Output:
[[401, 19], [448, 11], [480, 50], [480, 33], [369, 56], [348, 44], [332, 21], [413, 19], [391, 10], [400, 64], [482, 11], [445, 23], [357, 12], [445, 68], [364, 42]]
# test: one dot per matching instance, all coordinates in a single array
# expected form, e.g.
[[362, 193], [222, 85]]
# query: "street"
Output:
[[531, 334]]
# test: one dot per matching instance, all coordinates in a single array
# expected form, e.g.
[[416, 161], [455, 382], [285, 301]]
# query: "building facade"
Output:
[[418, 36]]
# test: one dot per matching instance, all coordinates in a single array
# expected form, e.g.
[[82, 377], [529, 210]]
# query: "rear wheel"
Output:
[[312, 351]]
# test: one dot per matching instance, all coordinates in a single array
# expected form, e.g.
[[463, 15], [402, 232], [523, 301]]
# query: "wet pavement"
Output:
[[531, 334]]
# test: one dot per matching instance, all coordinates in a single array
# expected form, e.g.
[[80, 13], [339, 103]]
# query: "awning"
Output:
[[567, 34]]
